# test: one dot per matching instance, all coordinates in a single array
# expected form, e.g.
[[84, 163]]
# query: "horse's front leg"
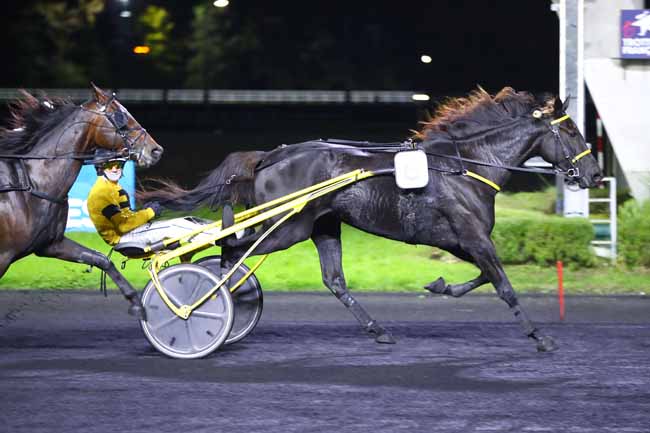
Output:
[[327, 237], [69, 250], [484, 254]]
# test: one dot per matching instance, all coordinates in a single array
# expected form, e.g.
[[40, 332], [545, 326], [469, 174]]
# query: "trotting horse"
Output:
[[40, 158], [471, 144]]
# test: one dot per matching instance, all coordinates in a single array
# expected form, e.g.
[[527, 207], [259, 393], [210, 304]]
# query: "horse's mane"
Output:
[[463, 116], [31, 118]]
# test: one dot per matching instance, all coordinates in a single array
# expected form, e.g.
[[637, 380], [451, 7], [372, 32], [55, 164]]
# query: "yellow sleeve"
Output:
[[126, 219]]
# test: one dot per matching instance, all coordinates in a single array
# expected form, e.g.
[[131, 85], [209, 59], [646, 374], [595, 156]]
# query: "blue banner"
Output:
[[635, 34], [78, 218]]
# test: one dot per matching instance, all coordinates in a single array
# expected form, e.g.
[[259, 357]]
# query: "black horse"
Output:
[[471, 144], [40, 157]]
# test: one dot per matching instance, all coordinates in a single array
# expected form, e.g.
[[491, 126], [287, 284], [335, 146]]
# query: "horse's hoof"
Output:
[[138, 312], [546, 344], [437, 286], [385, 338]]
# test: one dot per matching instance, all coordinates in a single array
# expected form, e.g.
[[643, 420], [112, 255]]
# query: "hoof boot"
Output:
[[546, 344], [439, 287], [385, 338]]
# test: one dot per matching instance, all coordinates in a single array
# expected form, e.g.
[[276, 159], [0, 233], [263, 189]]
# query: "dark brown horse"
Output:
[[41, 155], [471, 145]]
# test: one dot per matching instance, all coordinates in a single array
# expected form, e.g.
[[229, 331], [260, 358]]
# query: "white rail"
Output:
[[227, 96], [611, 243]]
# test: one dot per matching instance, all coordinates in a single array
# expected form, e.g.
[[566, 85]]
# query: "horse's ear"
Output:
[[565, 104], [100, 96], [559, 106]]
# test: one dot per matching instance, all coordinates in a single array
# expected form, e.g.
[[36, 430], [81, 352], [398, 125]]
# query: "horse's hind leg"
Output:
[[485, 257], [69, 250], [327, 237], [456, 290]]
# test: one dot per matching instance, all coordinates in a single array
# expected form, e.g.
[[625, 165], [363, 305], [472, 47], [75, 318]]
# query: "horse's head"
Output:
[[114, 128], [564, 146]]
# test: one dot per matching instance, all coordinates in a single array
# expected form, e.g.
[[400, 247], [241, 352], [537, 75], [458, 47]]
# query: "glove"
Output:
[[155, 207]]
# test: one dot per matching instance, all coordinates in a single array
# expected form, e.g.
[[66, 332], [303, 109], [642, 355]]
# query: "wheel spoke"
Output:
[[193, 293], [188, 328], [213, 316], [165, 323]]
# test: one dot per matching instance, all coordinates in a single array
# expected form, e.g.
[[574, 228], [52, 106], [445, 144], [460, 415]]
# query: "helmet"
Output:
[[103, 157]]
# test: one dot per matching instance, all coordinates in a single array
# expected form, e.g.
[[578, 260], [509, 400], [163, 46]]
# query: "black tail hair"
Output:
[[231, 181]]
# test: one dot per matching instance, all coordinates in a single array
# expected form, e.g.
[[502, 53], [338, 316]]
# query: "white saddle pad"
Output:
[[411, 169]]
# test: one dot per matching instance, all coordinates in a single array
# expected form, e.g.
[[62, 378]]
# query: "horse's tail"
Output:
[[231, 181]]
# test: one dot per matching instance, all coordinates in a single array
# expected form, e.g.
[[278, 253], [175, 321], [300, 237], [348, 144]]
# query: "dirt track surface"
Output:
[[77, 362]]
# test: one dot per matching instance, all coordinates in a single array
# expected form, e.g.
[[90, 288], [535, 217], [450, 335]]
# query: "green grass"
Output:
[[370, 263]]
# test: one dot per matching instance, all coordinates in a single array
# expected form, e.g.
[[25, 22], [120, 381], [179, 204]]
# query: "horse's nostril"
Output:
[[157, 152]]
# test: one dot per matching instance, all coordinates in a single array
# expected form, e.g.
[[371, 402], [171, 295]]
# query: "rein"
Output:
[[571, 172], [119, 122]]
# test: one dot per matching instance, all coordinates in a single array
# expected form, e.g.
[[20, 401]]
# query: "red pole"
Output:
[[560, 288]]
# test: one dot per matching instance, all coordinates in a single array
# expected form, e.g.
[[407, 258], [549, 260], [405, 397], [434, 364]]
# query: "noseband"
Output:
[[573, 172]]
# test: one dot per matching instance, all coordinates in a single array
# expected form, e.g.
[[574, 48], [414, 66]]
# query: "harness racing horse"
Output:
[[471, 144], [40, 158]]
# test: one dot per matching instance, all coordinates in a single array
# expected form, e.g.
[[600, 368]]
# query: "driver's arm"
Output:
[[124, 219]]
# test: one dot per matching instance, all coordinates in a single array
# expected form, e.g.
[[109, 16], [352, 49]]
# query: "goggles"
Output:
[[113, 164]]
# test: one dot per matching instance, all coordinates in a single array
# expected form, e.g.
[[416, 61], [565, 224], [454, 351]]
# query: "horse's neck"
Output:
[[508, 146], [70, 138]]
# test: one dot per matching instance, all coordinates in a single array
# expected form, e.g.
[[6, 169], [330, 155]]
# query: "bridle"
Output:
[[570, 169], [572, 172], [120, 122]]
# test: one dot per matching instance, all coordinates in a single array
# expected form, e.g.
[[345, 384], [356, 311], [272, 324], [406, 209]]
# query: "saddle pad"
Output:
[[411, 169]]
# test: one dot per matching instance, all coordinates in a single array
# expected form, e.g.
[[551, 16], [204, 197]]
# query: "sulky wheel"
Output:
[[204, 330], [247, 298]]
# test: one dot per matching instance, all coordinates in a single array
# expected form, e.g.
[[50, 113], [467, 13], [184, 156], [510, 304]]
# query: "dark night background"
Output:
[[258, 44]]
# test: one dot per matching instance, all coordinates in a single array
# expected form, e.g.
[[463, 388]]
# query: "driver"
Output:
[[108, 202], [130, 231]]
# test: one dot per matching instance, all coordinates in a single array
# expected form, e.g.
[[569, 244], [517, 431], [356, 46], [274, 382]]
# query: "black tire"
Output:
[[247, 299]]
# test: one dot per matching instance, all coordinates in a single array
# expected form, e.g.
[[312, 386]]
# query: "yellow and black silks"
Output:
[[108, 206]]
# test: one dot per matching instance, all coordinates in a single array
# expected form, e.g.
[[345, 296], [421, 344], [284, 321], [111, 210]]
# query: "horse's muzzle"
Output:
[[147, 158], [590, 181]]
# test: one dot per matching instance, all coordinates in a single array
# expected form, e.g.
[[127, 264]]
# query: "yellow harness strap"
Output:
[[580, 155], [560, 119], [482, 179]]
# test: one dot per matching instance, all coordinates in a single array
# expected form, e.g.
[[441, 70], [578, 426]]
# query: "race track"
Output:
[[76, 362]]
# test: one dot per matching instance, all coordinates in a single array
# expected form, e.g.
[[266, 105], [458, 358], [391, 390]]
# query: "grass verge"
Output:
[[370, 264]]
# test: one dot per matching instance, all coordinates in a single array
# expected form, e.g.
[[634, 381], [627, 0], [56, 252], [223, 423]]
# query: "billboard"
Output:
[[78, 218], [635, 34]]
